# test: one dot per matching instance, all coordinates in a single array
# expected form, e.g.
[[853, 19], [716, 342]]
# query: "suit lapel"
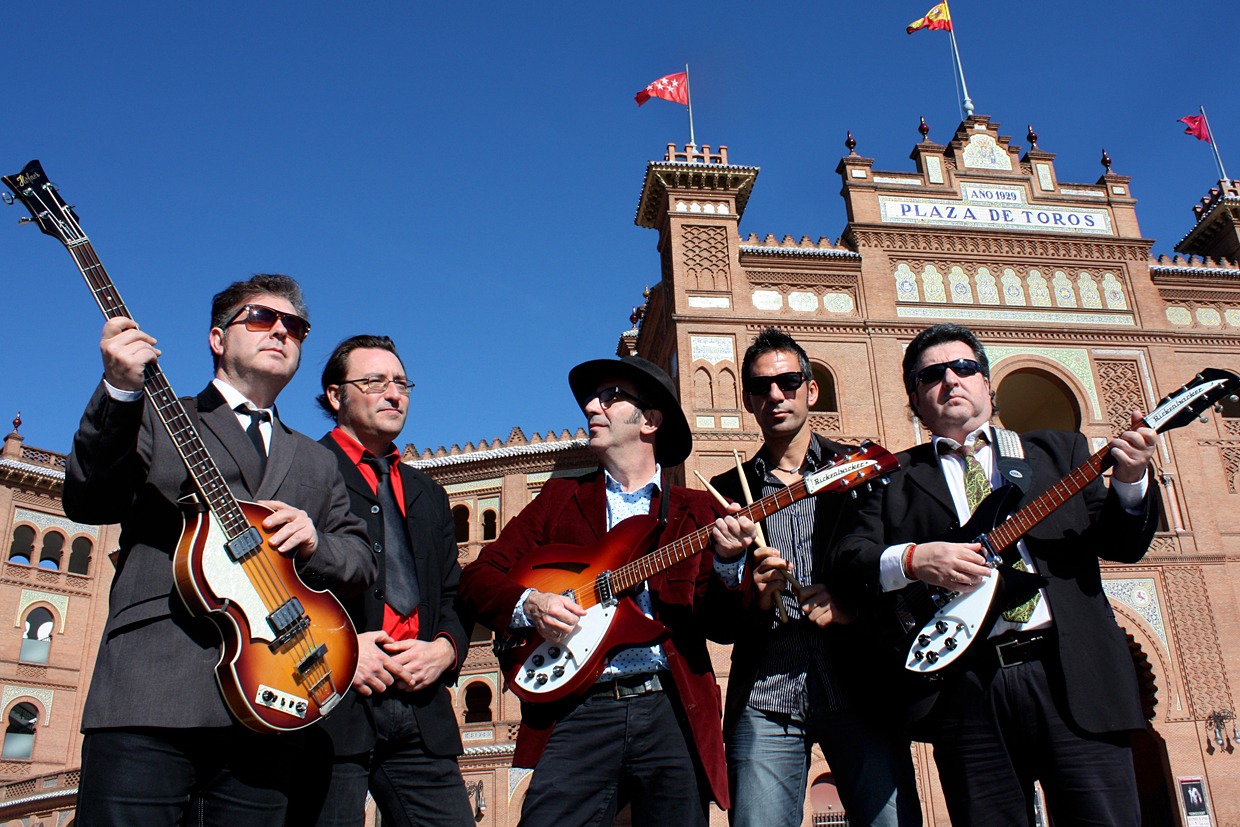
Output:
[[412, 493], [279, 460], [924, 472], [591, 499], [221, 422]]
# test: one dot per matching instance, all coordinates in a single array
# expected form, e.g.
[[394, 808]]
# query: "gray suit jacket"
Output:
[[156, 661]]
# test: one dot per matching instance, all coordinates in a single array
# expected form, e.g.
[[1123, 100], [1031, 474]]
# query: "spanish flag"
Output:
[[937, 18]]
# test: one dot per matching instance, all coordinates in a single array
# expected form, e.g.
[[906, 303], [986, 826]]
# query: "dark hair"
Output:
[[936, 335], [773, 340], [225, 303], [334, 370]]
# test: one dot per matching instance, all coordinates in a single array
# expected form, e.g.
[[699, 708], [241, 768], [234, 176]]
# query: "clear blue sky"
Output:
[[463, 177]]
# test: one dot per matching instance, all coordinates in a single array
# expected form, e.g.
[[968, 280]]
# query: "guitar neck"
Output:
[[1020, 523], [171, 412], [643, 568]]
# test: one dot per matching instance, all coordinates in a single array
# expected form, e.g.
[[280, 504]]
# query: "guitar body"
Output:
[[272, 682], [542, 671], [933, 626]]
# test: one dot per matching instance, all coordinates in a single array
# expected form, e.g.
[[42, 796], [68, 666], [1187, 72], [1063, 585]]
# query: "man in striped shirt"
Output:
[[788, 689]]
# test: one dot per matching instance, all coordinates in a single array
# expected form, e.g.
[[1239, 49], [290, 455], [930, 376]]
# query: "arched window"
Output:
[[37, 635], [478, 697], [79, 555], [1033, 399], [460, 517], [53, 547], [828, 400], [19, 736], [23, 545], [490, 524]]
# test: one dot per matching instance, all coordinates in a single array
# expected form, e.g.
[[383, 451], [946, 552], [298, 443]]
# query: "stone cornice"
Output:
[[895, 242], [662, 176]]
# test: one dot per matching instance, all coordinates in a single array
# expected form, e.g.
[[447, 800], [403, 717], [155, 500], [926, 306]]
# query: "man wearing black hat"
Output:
[[647, 732]]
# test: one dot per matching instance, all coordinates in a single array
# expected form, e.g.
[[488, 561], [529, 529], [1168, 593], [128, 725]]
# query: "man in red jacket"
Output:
[[647, 733]]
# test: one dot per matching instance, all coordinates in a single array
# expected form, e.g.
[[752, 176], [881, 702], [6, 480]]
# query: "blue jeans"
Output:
[[768, 769]]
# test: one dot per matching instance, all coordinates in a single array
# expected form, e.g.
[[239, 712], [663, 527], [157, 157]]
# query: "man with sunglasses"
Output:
[[1051, 694], [647, 732], [798, 683], [397, 733], [160, 745]]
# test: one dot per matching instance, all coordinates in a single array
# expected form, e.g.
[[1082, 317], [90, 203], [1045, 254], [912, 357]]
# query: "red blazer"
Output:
[[686, 598]]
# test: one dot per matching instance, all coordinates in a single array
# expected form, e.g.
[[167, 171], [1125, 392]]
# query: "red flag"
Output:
[[937, 18], [674, 88], [1197, 127]]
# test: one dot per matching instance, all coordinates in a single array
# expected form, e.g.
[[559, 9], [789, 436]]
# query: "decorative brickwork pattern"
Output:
[[1121, 391], [1196, 640], [1231, 464], [706, 258]]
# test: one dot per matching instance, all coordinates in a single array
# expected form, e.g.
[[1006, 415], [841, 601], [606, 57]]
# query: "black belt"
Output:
[[629, 686], [1015, 648]]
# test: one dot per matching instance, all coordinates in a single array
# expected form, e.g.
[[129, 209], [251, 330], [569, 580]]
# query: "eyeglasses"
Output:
[[377, 384], [787, 382], [609, 395], [259, 317], [963, 368]]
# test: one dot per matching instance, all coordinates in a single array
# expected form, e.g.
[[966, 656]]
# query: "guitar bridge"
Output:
[[244, 544], [313, 659]]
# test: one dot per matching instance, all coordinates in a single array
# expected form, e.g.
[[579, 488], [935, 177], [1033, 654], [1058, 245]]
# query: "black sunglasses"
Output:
[[935, 373], [259, 317], [609, 395], [787, 382]]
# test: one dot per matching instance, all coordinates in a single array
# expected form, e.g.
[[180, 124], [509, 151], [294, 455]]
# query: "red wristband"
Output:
[[907, 565]]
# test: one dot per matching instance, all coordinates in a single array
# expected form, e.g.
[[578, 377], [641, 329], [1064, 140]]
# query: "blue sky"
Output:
[[463, 177]]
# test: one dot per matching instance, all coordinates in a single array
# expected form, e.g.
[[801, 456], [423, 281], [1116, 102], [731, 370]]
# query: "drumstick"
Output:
[[761, 538], [719, 498]]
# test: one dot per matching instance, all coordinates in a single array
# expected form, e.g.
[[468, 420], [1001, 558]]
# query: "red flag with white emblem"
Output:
[[674, 88]]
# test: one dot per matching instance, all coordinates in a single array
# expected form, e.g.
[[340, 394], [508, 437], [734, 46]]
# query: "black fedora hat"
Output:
[[673, 442]]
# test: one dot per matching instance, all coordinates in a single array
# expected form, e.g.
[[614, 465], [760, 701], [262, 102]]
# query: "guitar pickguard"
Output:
[[552, 665], [229, 581], [952, 629]]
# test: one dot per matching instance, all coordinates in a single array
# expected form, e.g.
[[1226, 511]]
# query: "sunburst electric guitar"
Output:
[[602, 577], [934, 626], [289, 652]]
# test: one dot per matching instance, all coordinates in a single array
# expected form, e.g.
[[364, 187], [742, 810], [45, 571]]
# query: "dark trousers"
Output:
[[996, 729], [410, 785], [607, 753], [194, 777]]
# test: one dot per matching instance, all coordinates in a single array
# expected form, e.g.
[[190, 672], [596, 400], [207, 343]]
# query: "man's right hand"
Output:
[[554, 616], [126, 352], [373, 675], [957, 567], [769, 579]]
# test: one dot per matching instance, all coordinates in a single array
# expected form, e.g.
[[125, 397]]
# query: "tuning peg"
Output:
[[1203, 418], [853, 493], [25, 219], [8, 199]]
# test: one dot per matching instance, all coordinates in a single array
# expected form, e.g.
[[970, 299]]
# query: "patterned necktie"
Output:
[[976, 487], [400, 575], [257, 417]]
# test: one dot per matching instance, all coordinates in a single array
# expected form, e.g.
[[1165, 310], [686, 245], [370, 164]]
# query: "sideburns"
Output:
[[637, 416]]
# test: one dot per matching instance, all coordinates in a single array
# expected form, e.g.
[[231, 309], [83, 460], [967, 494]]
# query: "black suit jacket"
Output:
[[432, 535], [1094, 660], [156, 662], [750, 629]]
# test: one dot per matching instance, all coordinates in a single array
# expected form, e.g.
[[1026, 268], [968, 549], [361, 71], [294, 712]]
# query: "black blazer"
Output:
[[1094, 660], [432, 535], [749, 629], [156, 662]]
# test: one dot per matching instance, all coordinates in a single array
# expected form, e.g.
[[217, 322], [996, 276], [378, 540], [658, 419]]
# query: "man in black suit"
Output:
[[1051, 694], [401, 739], [160, 743]]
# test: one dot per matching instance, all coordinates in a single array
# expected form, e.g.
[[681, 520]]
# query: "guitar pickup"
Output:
[[244, 544], [313, 659], [288, 621], [602, 587]]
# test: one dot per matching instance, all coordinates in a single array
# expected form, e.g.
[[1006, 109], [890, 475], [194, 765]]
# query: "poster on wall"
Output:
[[1193, 799]]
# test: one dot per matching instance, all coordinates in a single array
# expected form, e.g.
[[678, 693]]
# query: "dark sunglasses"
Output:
[[259, 317], [609, 395], [935, 373], [787, 382]]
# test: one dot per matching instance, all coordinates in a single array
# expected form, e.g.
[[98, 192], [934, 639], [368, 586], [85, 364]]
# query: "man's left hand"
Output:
[[421, 662], [732, 534], [294, 530], [818, 606], [1133, 450]]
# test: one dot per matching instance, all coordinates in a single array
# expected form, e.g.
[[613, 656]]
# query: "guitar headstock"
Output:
[[866, 465], [1208, 389], [47, 208]]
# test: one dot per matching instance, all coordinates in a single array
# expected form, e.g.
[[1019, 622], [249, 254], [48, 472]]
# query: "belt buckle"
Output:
[[1007, 644]]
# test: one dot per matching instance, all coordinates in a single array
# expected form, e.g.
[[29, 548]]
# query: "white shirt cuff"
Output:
[[519, 619], [121, 395], [1131, 494], [891, 568], [730, 571]]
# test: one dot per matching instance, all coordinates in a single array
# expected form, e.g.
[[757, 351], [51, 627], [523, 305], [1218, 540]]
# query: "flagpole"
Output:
[[966, 104], [1218, 158], [689, 100]]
